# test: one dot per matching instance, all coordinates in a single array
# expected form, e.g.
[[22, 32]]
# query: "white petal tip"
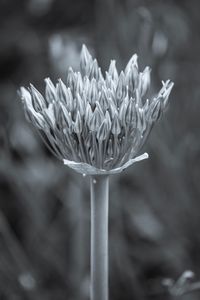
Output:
[[141, 157]]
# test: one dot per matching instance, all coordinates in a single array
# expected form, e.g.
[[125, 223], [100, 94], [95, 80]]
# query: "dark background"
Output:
[[154, 205]]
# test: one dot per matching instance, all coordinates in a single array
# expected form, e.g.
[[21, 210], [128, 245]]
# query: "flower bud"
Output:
[[65, 117], [80, 104], [113, 71], [71, 79], [95, 121], [69, 99], [50, 91], [61, 91], [131, 115], [132, 61], [85, 61], [79, 83], [88, 114], [115, 129], [122, 114], [36, 118], [98, 107], [78, 125], [108, 120], [49, 115], [92, 93], [132, 78], [141, 120], [94, 70], [145, 81], [112, 108], [102, 132], [38, 100], [103, 99], [155, 110], [26, 97], [121, 88]]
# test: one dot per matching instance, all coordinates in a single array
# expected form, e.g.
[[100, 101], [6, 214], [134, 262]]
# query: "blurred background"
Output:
[[154, 205]]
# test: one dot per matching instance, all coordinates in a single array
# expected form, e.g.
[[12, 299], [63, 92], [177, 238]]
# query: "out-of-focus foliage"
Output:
[[44, 207]]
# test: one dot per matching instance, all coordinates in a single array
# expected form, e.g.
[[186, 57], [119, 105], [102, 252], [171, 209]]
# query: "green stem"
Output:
[[99, 186]]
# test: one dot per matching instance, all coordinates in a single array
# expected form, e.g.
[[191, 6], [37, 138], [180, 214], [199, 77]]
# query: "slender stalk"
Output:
[[99, 187]]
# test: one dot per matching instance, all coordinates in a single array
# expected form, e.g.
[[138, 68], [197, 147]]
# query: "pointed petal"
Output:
[[38, 100], [95, 121], [65, 118], [121, 87], [78, 125], [93, 92], [49, 115], [132, 61], [145, 81], [85, 61], [26, 96], [61, 91], [116, 128], [103, 131], [113, 70], [71, 79], [94, 70], [50, 91]]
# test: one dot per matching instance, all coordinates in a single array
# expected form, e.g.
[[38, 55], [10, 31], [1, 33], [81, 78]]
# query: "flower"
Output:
[[97, 124]]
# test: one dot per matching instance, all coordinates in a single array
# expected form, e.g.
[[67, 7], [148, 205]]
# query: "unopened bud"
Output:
[[50, 91], [108, 120], [113, 70], [49, 115], [96, 121], [78, 125], [103, 100], [102, 132], [145, 81], [79, 83], [92, 94], [115, 129], [85, 60], [122, 114], [65, 116], [38, 100], [94, 70], [80, 104], [88, 114], [61, 91], [121, 88], [132, 61], [26, 96], [131, 115], [155, 110], [71, 79]]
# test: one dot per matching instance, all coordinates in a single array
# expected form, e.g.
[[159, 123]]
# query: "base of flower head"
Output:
[[87, 169]]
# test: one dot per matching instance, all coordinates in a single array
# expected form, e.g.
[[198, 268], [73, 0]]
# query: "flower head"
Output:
[[97, 124]]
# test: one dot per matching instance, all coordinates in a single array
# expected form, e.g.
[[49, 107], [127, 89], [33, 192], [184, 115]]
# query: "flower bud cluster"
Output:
[[96, 123]]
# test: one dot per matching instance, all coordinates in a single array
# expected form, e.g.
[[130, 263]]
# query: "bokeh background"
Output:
[[154, 205]]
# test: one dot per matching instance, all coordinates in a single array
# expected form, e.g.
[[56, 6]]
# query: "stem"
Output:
[[99, 186]]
